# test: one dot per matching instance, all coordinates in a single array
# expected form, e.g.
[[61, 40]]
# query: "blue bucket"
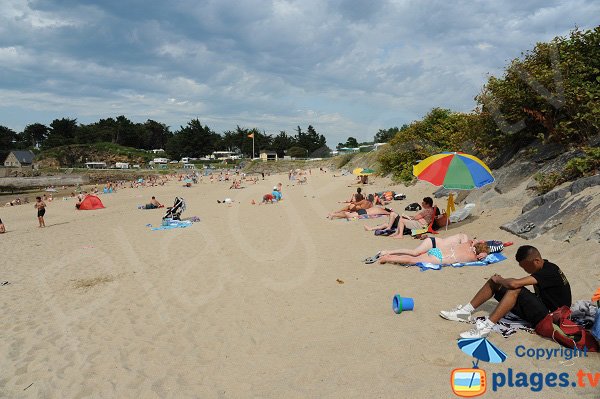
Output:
[[400, 304]]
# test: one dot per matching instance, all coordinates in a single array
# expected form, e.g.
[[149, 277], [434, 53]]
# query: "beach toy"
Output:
[[400, 304]]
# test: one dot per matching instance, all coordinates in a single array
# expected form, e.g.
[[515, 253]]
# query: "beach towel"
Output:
[[174, 224], [491, 258], [509, 325]]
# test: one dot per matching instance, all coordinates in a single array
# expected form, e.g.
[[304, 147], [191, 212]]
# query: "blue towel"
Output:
[[491, 258], [175, 224]]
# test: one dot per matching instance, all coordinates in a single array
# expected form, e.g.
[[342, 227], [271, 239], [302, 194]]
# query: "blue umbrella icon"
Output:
[[481, 349]]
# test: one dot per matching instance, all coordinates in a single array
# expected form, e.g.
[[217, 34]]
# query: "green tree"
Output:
[[62, 132], [7, 137], [552, 92], [440, 130], [281, 143], [297, 152], [157, 135], [385, 135], [193, 140], [35, 134]]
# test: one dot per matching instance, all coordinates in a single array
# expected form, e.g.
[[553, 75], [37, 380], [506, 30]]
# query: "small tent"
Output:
[[90, 202]]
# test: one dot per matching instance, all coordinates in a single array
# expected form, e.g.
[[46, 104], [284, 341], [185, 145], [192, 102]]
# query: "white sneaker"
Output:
[[456, 314], [482, 329]]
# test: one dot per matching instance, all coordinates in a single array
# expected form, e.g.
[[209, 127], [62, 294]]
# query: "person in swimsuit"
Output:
[[458, 253], [364, 204], [418, 221], [41, 210], [361, 212], [433, 242], [391, 224]]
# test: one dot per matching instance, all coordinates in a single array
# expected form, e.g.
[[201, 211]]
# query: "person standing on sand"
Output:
[[41, 210]]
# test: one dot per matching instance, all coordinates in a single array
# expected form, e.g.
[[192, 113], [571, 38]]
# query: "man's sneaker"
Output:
[[456, 314], [482, 329]]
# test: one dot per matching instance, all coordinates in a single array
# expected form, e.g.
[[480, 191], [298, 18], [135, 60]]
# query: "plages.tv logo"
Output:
[[470, 382]]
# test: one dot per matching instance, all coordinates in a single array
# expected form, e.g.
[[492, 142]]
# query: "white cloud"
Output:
[[347, 67]]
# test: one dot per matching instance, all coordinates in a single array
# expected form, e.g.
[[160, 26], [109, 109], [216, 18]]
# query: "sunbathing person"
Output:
[[552, 290], [374, 211], [444, 244], [459, 253], [362, 204], [356, 197], [419, 221]]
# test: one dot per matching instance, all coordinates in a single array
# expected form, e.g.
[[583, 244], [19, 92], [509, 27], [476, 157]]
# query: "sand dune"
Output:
[[245, 303]]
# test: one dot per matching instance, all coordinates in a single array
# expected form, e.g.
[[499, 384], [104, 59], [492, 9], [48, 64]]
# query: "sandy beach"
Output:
[[268, 301]]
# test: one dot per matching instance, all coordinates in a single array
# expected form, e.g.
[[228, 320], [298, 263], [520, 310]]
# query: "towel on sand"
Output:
[[491, 258], [174, 224]]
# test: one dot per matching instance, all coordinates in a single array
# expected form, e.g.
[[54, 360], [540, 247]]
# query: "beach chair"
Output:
[[462, 214], [174, 212]]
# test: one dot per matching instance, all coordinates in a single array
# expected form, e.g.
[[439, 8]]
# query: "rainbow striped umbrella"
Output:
[[454, 170]]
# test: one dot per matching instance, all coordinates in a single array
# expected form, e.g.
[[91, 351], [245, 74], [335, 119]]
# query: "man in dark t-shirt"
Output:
[[552, 290]]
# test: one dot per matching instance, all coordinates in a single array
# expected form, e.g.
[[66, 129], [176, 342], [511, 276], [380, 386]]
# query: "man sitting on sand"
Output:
[[459, 253], [153, 204], [552, 290], [2, 228]]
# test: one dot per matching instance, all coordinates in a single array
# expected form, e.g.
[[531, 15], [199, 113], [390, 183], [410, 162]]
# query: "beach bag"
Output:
[[413, 207], [495, 246], [596, 327], [559, 326], [399, 197]]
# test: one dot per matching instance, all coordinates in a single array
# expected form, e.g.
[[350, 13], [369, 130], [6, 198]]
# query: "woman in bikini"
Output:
[[457, 253]]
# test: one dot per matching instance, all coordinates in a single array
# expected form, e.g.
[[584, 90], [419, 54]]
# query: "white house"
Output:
[[122, 165]]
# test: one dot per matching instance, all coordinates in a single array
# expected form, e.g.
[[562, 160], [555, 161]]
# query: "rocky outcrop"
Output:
[[565, 212]]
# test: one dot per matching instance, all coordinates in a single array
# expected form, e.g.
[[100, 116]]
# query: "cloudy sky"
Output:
[[348, 67]]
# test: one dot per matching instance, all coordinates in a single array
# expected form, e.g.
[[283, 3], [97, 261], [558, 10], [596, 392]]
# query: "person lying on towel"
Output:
[[444, 244], [374, 211], [552, 290], [457, 253]]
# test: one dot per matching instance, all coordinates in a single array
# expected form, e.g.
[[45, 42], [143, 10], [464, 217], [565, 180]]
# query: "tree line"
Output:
[[192, 140], [551, 94]]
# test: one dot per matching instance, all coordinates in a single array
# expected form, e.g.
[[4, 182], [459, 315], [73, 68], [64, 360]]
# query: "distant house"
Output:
[[95, 165], [348, 150], [19, 159], [268, 155]]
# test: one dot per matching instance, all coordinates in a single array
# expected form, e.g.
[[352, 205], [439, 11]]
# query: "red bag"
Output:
[[558, 326]]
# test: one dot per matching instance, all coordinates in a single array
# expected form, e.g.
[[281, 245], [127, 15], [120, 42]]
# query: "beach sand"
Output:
[[247, 302]]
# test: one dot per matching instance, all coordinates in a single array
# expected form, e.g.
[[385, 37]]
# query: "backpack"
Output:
[[559, 326]]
